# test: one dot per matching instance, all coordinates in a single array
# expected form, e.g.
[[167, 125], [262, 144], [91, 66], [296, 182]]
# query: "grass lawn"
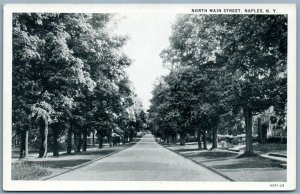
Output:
[[270, 147], [28, 171], [58, 163], [36, 168], [239, 169], [250, 169]]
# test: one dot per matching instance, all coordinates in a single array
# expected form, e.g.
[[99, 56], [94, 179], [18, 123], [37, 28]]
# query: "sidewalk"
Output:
[[257, 168]]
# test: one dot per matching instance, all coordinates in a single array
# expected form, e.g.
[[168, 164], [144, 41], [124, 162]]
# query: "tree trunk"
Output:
[[78, 141], [248, 122], [69, 139], [204, 140], [43, 125], [259, 130], [100, 139], [130, 136], [109, 139], [55, 143], [215, 137], [199, 139], [75, 141], [182, 138], [24, 144], [84, 140], [174, 139], [168, 138], [164, 137], [124, 139], [93, 138]]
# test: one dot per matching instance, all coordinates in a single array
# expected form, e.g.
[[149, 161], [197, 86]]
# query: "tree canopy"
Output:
[[223, 64], [69, 74]]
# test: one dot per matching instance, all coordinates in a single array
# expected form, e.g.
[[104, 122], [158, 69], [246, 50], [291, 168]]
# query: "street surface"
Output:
[[145, 161]]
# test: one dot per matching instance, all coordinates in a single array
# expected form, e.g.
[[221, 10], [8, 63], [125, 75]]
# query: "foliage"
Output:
[[69, 70], [222, 65]]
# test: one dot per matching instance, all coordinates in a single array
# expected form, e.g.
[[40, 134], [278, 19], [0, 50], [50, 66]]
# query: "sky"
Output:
[[148, 36]]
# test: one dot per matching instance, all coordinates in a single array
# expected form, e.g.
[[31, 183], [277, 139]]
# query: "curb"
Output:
[[84, 164], [207, 167]]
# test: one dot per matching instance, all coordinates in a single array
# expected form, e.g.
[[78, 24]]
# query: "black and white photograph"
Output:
[[181, 97]]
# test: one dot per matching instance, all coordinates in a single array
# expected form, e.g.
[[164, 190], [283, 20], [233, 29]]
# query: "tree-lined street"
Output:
[[224, 94], [145, 161]]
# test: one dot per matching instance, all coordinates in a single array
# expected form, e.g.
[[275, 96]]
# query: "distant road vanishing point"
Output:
[[145, 161]]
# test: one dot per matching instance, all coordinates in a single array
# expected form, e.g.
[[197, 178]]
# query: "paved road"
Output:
[[145, 161]]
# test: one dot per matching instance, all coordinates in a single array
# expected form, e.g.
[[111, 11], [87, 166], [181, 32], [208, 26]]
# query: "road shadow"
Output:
[[97, 152], [215, 154], [57, 163], [251, 162], [188, 150]]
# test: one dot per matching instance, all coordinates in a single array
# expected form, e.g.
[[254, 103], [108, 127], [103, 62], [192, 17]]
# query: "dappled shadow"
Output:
[[16, 153], [97, 152], [215, 154], [252, 162], [188, 150], [58, 163], [94, 151], [270, 147]]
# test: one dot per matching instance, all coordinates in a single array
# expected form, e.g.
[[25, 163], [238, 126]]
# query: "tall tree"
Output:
[[65, 61], [250, 51]]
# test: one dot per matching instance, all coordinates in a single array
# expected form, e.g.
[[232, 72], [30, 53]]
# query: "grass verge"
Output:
[[40, 168], [254, 168], [28, 171]]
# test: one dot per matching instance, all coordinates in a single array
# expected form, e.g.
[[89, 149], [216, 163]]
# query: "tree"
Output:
[[41, 112], [65, 61], [158, 111], [248, 50], [189, 48], [257, 66]]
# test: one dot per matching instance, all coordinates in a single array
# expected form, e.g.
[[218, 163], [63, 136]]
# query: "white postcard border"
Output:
[[10, 185]]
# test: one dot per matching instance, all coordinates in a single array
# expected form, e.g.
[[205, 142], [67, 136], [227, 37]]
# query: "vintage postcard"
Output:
[[149, 97]]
